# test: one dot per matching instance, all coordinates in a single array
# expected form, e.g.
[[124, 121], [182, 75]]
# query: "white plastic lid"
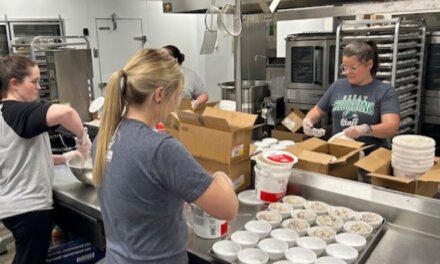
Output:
[[96, 105], [279, 157]]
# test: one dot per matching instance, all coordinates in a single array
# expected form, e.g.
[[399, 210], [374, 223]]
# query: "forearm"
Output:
[[58, 159], [315, 114], [384, 130], [202, 99], [65, 116]]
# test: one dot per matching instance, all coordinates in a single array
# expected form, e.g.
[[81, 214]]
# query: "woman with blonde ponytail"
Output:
[[143, 177]]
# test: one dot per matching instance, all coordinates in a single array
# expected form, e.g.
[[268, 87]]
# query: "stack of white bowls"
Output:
[[412, 155]]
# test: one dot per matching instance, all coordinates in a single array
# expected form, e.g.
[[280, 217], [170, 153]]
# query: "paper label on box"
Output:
[[237, 151], [289, 123], [238, 182]]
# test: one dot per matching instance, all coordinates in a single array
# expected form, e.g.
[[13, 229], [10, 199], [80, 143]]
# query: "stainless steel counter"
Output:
[[412, 234]]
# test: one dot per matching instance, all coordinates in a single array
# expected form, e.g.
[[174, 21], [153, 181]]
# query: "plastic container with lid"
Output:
[[272, 174], [206, 226]]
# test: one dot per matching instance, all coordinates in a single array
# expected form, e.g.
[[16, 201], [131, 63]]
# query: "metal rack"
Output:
[[401, 45], [36, 49]]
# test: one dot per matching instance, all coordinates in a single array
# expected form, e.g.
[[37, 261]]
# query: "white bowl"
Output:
[[353, 240], [299, 255], [413, 142], [343, 212], [313, 243], [346, 253], [246, 239], [274, 218], [283, 262], [277, 147], [299, 225], [270, 141], [261, 228], [399, 172], [318, 207], [401, 151], [286, 142], [375, 220], [323, 232], [287, 235], [329, 260], [226, 249], [295, 200], [333, 222], [283, 208], [253, 256], [273, 247], [358, 227], [305, 214]]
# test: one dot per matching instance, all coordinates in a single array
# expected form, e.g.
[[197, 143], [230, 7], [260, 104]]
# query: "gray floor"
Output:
[[9, 256]]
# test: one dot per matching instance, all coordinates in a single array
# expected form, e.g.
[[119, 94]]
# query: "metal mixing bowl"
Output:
[[83, 174]]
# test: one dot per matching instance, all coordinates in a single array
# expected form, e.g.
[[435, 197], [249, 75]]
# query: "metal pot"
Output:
[[81, 172], [253, 93]]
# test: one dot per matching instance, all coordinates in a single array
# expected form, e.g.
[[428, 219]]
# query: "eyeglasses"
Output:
[[35, 82], [344, 68]]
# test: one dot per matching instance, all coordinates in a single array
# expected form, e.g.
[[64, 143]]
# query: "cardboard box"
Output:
[[185, 104], [293, 121], [287, 135], [239, 173], [378, 163], [217, 135], [319, 156]]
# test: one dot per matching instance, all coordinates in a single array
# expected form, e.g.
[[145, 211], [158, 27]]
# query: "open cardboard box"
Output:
[[319, 156], [217, 135], [378, 163], [291, 124], [239, 172]]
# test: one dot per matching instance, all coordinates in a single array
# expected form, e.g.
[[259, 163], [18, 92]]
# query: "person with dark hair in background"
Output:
[[143, 177], [194, 88], [26, 161], [362, 106]]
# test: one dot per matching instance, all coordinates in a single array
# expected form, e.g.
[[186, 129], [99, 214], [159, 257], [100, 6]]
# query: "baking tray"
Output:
[[372, 241]]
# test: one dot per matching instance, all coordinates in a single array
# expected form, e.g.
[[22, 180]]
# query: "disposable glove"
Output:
[[308, 126], [71, 154], [358, 131], [194, 104], [84, 145]]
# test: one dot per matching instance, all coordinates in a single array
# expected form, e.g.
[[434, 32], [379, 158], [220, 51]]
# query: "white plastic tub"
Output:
[[206, 226]]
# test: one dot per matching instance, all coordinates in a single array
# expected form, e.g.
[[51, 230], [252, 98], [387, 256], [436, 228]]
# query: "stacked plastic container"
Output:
[[412, 155]]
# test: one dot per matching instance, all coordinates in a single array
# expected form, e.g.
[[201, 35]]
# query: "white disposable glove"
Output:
[[71, 154], [84, 145], [194, 104], [357, 131], [308, 126]]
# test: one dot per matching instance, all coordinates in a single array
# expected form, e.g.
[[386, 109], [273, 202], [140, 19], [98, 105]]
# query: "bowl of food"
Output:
[[315, 244], [82, 170], [287, 235], [305, 214], [300, 255], [375, 220], [295, 200], [283, 208], [318, 207], [273, 247], [329, 260], [343, 212], [323, 232], [358, 227], [331, 221], [226, 249], [353, 240], [274, 218], [298, 225], [253, 256], [245, 239], [346, 253], [261, 228]]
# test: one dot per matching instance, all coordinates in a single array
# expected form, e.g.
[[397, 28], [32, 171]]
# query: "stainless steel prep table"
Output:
[[411, 235]]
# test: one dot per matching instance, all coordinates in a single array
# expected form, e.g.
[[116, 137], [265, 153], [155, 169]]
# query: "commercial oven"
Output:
[[432, 82], [310, 64]]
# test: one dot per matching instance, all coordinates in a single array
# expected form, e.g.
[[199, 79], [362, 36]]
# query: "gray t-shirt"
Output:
[[352, 105], [146, 182], [193, 85]]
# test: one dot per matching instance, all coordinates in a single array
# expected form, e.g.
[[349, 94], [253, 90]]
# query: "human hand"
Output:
[[84, 145], [194, 104], [308, 126], [357, 131], [71, 154]]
